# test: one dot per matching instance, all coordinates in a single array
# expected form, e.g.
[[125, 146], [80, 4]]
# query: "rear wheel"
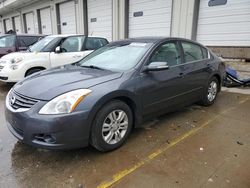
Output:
[[32, 71], [211, 92], [111, 126]]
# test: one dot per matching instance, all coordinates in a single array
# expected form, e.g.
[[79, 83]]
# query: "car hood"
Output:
[[25, 55], [46, 85], [15, 54]]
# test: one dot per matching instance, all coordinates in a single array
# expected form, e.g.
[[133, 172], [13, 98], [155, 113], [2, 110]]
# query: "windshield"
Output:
[[45, 45], [116, 58], [7, 41]]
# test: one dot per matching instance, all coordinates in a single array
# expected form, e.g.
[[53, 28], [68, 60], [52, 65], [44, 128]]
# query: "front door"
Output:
[[163, 89], [71, 51]]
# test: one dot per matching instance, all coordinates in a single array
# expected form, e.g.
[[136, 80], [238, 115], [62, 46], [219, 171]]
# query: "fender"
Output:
[[123, 95]]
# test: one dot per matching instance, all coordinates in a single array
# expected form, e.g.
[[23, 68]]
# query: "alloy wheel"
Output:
[[115, 127], [212, 91]]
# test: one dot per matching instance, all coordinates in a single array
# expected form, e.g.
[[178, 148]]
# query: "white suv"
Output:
[[52, 51]]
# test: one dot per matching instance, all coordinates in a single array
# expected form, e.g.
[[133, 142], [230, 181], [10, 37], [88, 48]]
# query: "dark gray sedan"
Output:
[[100, 99]]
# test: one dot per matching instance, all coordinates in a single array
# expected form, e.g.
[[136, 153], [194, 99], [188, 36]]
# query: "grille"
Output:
[[18, 101]]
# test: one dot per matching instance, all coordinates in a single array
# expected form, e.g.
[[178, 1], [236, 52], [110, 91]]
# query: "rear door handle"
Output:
[[181, 75], [209, 65]]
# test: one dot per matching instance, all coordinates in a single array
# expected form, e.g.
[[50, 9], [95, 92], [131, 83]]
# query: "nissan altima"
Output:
[[100, 99]]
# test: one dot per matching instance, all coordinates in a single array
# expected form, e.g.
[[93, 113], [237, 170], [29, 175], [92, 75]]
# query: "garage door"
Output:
[[30, 25], [46, 26], [149, 17], [1, 28], [67, 13], [7, 24], [17, 22], [100, 18], [227, 24]]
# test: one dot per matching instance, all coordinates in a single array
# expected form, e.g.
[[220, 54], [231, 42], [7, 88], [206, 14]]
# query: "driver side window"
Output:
[[72, 44], [167, 52]]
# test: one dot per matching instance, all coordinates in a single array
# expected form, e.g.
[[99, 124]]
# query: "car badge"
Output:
[[12, 100]]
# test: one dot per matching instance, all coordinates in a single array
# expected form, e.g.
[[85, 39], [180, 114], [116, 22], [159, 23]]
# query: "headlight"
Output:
[[14, 67], [65, 103]]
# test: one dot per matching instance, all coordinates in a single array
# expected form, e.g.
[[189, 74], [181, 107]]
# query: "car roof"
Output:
[[36, 35], [69, 35], [153, 40]]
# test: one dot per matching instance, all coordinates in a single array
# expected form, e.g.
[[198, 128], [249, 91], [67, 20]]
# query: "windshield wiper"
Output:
[[92, 67]]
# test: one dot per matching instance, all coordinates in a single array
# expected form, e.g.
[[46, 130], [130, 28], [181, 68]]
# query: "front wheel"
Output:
[[112, 126], [211, 92]]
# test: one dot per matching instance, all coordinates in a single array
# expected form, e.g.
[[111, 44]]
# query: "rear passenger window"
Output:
[[73, 44], [192, 52], [95, 43], [205, 53]]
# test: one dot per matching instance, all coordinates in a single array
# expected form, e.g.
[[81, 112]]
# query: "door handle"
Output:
[[209, 65], [181, 75], [9, 51]]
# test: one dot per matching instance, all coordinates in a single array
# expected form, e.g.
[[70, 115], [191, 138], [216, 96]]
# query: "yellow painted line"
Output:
[[120, 175]]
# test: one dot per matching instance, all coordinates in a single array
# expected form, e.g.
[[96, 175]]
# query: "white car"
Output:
[[52, 51]]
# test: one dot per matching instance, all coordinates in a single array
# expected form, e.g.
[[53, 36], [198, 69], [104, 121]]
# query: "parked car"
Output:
[[14, 43], [100, 99], [52, 51]]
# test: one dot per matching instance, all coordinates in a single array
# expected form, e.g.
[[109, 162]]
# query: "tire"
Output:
[[32, 71], [212, 89], [105, 138]]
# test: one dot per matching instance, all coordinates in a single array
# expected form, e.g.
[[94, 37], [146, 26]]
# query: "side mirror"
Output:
[[157, 66], [58, 50]]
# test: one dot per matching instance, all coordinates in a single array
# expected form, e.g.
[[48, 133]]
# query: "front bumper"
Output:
[[8, 75], [68, 131]]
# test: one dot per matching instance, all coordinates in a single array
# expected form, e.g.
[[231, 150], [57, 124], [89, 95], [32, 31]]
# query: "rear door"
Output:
[[71, 51], [196, 68], [163, 89], [93, 43]]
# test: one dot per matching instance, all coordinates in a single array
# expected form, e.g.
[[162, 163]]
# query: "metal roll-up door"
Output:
[[100, 18], [29, 21], [150, 18], [67, 13], [7, 25], [224, 23], [45, 18], [1, 28], [17, 24]]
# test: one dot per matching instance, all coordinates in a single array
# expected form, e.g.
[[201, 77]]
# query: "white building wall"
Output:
[[224, 25], [33, 7]]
